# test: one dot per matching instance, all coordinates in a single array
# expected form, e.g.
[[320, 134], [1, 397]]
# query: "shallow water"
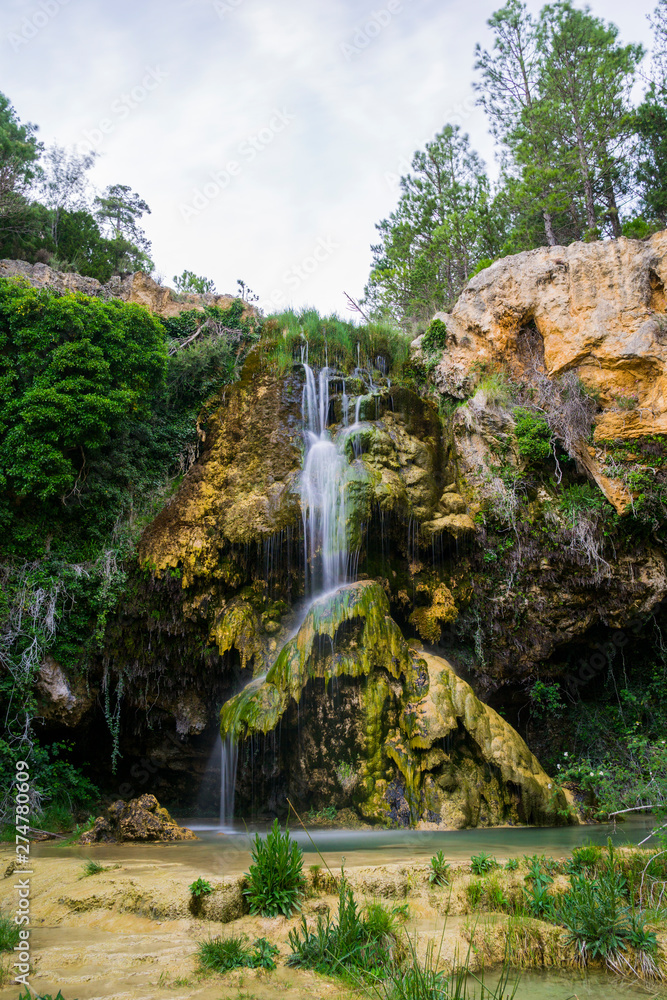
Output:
[[552, 985], [229, 851]]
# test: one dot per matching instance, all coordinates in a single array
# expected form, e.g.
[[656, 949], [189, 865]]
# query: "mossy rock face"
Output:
[[241, 488], [351, 716]]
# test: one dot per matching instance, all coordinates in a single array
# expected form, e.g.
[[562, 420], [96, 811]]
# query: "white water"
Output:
[[324, 501], [229, 753]]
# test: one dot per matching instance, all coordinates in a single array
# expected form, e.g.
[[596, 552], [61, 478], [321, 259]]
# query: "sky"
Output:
[[267, 138]]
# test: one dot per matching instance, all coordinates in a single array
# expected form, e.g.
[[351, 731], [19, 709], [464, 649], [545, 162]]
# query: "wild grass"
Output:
[[9, 933], [234, 952], [439, 874], [331, 340], [362, 943]]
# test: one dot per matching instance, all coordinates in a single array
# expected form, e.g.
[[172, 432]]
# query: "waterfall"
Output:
[[324, 505], [228, 761], [325, 511]]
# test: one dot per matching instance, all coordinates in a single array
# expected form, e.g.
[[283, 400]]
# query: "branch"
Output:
[[355, 307]]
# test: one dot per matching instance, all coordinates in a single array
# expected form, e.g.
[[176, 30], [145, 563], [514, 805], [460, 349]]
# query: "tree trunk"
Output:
[[549, 228]]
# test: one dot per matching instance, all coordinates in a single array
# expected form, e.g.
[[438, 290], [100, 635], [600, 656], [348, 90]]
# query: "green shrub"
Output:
[[439, 874], [276, 883], [533, 435], [482, 863], [511, 864], [586, 856], [435, 338], [234, 952], [91, 868], [201, 887]]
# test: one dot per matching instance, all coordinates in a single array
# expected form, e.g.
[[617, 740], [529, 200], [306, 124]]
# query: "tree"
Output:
[[19, 152], [63, 183], [508, 92], [118, 212], [651, 127], [443, 227], [72, 371], [585, 81], [188, 281]]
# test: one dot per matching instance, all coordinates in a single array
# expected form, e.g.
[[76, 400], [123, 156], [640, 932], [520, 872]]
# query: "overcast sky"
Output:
[[267, 138]]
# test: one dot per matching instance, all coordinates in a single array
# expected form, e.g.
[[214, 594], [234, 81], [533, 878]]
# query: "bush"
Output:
[[222, 954], [435, 338], [533, 435], [201, 887], [276, 880]]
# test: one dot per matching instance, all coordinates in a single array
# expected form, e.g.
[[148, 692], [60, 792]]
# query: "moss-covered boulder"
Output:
[[352, 716]]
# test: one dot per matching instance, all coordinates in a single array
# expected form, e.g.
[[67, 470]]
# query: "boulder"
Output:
[[139, 820]]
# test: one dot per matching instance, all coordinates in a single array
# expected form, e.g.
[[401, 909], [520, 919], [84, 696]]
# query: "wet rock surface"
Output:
[[142, 819]]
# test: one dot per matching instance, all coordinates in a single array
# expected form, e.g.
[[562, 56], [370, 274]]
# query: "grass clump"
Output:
[[91, 868], [234, 952], [276, 883], [482, 863], [511, 865], [439, 873], [359, 943]]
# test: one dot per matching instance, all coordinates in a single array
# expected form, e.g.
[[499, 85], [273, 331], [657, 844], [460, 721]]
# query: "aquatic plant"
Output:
[[276, 883], [439, 874], [482, 863], [222, 954]]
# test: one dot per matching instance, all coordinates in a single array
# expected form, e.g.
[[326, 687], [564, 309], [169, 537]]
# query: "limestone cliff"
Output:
[[138, 287], [597, 309]]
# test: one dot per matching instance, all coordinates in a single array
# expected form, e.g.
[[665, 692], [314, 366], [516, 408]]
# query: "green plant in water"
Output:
[[234, 952], [439, 873], [482, 863], [200, 887], [276, 883]]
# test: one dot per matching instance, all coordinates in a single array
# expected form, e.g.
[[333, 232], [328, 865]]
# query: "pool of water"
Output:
[[229, 850], [553, 985]]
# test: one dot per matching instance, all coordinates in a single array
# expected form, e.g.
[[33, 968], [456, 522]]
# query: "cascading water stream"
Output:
[[229, 755], [324, 503], [326, 513]]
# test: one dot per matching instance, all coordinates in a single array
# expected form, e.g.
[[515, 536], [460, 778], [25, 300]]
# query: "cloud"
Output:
[[365, 85]]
